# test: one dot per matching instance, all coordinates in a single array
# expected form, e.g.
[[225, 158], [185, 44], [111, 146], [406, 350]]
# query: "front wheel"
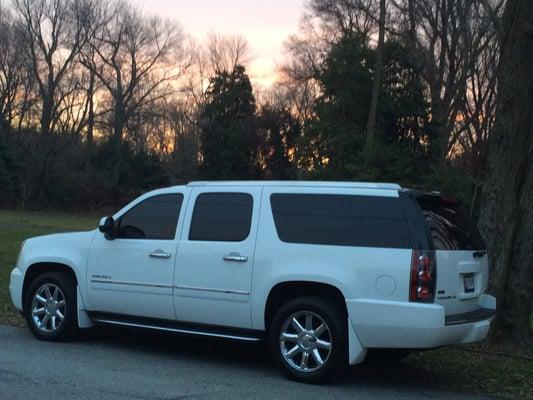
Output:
[[308, 337], [50, 307]]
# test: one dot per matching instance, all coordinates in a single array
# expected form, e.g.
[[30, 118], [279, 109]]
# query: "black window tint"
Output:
[[449, 224], [221, 217], [153, 218], [343, 220]]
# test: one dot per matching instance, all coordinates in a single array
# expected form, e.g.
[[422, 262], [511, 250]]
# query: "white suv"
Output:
[[324, 271]]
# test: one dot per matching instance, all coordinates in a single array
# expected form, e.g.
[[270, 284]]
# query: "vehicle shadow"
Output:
[[172, 345], [248, 356]]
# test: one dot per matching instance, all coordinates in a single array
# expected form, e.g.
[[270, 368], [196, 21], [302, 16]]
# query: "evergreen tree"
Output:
[[333, 142], [228, 131], [279, 131]]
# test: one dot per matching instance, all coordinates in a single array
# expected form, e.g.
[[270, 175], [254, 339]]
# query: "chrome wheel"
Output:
[[305, 341], [48, 308]]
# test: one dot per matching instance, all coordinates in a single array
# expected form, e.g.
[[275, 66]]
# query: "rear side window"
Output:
[[221, 217], [449, 224], [153, 218], [341, 220]]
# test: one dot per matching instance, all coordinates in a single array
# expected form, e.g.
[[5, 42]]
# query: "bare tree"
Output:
[[13, 72], [226, 52], [72, 106], [28, 98], [16, 84], [54, 32], [298, 74], [447, 38], [470, 136], [138, 61], [345, 16]]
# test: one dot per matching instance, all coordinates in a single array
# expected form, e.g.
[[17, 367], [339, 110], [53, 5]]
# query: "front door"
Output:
[[215, 256], [133, 274]]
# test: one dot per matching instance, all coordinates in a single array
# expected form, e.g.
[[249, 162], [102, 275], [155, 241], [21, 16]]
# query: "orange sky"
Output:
[[265, 24]]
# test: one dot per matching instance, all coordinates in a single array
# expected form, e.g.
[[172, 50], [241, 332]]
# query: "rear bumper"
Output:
[[15, 287], [389, 324], [480, 314]]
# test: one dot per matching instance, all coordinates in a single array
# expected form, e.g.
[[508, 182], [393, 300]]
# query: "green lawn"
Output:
[[14, 229], [502, 371]]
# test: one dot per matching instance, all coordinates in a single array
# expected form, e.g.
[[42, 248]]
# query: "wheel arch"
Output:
[[39, 268], [285, 291]]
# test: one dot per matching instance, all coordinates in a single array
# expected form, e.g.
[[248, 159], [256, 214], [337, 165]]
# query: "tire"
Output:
[[46, 324], [282, 340]]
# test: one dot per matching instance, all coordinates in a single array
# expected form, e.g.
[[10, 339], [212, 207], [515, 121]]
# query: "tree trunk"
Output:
[[506, 215], [119, 120], [412, 22], [370, 143], [90, 121], [4, 128], [46, 114]]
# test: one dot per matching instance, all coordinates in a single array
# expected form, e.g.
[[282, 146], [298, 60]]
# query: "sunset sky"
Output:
[[265, 24]]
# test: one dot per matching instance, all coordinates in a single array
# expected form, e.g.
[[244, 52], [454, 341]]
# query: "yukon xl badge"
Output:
[[447, 297]]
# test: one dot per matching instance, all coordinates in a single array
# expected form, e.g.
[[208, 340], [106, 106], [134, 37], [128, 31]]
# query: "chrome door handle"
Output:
[[160, 254], [235, 257]]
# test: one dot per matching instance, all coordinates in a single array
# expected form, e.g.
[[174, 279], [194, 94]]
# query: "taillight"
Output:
[[423, 275]]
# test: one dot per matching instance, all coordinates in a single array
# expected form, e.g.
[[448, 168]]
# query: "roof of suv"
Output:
[[338, 184]]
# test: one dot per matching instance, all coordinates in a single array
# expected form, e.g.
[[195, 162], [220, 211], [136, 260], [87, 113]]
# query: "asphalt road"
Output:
[[125, 364]]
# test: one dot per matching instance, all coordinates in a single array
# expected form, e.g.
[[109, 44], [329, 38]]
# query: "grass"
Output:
[[496, 370], [501, 371], [14, 228]]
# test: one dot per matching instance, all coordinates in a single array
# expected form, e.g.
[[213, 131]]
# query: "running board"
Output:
[[178, 327]]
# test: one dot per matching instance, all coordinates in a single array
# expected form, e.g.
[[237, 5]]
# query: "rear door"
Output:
[[215, 258], [462, 267]]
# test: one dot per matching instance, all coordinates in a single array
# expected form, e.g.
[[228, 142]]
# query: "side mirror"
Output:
[[107, 227]]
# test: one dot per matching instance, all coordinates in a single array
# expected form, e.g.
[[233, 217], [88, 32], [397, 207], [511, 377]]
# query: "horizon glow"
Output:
[[265, 25]]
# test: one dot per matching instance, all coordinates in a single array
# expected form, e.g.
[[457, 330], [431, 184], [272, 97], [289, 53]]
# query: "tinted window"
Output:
[[342, 220], [221, 217], [153, 218], [449, 224]]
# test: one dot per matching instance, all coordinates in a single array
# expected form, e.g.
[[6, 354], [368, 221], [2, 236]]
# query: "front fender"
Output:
[[68, 249]]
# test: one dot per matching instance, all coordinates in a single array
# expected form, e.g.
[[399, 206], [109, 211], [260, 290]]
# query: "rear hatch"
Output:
[[462, 267]]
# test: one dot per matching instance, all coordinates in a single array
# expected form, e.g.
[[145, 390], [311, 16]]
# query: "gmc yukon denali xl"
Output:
[[323, 271]]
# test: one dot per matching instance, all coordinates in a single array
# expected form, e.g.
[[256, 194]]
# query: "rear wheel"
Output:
[[50, 306], [308, 338]]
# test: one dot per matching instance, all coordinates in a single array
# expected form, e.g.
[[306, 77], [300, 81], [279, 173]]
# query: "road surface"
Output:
[[125, 364]]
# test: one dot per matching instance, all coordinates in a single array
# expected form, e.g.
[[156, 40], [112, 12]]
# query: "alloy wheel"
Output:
[[48, 308], [305, 341]]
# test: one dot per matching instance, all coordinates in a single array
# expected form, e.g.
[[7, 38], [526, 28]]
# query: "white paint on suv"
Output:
[[210, 253]]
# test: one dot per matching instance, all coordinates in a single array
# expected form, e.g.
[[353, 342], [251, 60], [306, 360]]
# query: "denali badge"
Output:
[[95, 276]]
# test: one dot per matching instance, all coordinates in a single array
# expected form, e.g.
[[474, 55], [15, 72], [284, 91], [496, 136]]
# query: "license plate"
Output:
[[469, 283]]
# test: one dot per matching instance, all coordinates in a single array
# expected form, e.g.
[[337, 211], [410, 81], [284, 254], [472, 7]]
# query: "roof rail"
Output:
[[338, 184]]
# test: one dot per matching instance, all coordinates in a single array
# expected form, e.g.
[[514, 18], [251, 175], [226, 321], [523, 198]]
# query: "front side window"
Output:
[[221, 217], [155, 218], [340, 220]]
